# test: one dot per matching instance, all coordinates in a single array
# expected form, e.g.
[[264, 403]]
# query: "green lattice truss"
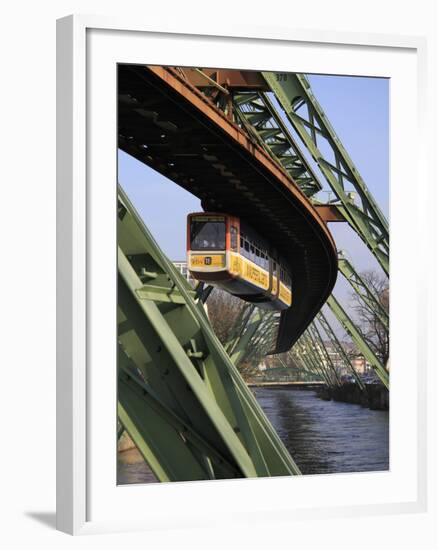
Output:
[[181, 398]]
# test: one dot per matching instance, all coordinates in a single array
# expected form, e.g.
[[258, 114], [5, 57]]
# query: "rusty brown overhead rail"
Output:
[[168, 124]]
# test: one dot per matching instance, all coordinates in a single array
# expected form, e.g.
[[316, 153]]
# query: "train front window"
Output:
[[205, 235]]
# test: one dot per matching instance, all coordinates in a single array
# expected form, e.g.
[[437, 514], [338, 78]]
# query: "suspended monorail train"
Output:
[[222, 250]]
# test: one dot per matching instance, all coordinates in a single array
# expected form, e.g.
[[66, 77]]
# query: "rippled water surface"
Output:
[[322, 436], [327, 436]]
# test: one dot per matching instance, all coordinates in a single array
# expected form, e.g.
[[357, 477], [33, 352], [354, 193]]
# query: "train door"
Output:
[[274, 274], [233, 245]]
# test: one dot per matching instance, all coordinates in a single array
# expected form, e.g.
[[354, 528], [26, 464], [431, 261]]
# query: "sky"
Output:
[[357, 108]]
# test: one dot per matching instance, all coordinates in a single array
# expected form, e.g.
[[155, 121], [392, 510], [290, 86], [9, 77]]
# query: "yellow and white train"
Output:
[[224, 251]]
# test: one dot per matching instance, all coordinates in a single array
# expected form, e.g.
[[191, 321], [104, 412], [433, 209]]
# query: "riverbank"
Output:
[[374, 397], [284, 384]]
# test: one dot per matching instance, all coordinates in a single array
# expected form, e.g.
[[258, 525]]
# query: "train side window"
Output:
[[233, 235], [258, 262], [246, 248]]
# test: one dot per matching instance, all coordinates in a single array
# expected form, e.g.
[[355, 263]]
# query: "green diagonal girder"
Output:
[[241, 349], [338, 347], [316, 358], [305, 366], [359, 339], [307, 355], [239, 327], [319, 344]]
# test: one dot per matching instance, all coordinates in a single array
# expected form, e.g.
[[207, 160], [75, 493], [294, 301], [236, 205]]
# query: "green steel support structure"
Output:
[[322, 351], [302, 367], [258, 114], [308, 119], [338, 348], [263, 342], [307, 354], [181, 399], [241, 349], [301, 363], [238, 327], [359, 340], [299, 366]]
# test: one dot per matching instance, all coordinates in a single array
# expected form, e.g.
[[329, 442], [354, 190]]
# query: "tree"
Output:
[[374, 331], [223, 310]]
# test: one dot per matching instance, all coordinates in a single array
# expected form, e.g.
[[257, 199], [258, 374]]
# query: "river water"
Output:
[[327, 436], [322, 436]]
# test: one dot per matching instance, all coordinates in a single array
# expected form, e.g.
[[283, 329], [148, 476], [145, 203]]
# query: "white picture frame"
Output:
[[87, 49]]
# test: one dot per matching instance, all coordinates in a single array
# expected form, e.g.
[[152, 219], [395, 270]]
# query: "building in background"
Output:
[[182, 268]]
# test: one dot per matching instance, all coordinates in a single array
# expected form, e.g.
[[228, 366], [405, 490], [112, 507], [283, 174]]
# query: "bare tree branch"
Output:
[[372, 327]]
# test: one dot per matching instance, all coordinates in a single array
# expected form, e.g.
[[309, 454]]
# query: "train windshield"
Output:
[[207, 235]]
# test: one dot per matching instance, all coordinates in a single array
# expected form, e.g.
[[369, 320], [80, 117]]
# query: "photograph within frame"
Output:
[[183, 395], [88, 499]]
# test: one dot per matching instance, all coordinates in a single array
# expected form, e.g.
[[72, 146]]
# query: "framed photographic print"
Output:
[[230, 212]]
